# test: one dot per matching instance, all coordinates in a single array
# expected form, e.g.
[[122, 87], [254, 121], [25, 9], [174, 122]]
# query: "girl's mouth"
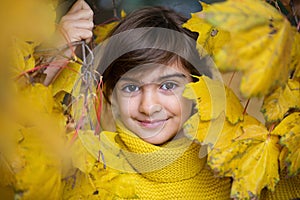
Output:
[[152, 123]]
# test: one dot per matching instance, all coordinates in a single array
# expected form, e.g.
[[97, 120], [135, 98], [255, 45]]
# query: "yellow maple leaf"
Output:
[[258, 169], [210, 96], [261, 44], [251, 159], [231, 133], [205, 132], [277, 104], [213, 98], [289, 129]]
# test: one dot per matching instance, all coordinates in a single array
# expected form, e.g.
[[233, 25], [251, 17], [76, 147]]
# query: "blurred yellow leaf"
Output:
[[40, 177], [277, 104], [81, 157], [239, 15], [260, 45], [33, 20], [22, 57], [289, 124], [289, 129], [101, 31], [91, 142], [38, 98], [282, 158], [123, 13], [210, 38], [38, 147]]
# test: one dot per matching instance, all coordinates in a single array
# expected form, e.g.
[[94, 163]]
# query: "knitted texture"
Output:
[[288, 188], [178, 173]]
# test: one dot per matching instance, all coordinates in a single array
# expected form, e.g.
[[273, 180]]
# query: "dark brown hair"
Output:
[[144, 46]]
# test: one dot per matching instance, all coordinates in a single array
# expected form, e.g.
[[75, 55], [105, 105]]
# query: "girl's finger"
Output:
[[79, 5], [79, 34], [81, 14], [82, 24]]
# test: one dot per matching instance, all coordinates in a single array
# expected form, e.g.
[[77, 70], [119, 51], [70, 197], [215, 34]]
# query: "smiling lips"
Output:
[[152, 124]]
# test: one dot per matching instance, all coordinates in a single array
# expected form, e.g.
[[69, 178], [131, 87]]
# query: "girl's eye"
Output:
[[168, 86], [130, 88]]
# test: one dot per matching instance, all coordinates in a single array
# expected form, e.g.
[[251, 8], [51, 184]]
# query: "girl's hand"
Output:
[[76, 25]]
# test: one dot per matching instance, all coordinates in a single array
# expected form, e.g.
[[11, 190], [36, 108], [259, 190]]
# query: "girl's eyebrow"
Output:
[[179, 75], [161, 78]]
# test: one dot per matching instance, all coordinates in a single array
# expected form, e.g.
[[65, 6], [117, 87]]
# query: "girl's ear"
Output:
[[114, 106], [107, 117]]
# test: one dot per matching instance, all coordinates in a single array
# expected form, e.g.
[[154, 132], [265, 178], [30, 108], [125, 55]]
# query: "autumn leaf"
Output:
[[100, 183], [33, 20], [210, 38], [277, 104], [240, 15], [205, 132], [22, 57], [9, 159], [251, 159], [40, 161], [234, 108], [67, 78], [101, 31], [38, 97], [289, 129], [38, 146], [209, 95], [213, 98], [294, 64], [261, 44], [258, 169], [81, 157], [231, 133]]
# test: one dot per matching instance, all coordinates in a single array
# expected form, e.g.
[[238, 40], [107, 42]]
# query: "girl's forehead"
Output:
[[152, 72]]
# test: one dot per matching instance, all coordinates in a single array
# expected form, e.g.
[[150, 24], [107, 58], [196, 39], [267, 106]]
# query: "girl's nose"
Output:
[[150, 102]]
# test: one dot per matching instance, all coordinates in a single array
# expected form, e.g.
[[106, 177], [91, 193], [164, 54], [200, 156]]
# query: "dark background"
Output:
[[104, 9]]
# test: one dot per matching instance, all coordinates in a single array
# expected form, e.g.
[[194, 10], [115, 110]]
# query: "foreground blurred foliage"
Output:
[[41, 149]]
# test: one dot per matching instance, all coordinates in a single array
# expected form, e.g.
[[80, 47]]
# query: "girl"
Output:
[[146, 63]]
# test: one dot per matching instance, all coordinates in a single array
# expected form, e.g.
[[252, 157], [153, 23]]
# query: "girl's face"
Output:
[[148, 100]]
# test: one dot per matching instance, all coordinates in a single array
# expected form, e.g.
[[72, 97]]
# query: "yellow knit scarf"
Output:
[[171, 171]]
